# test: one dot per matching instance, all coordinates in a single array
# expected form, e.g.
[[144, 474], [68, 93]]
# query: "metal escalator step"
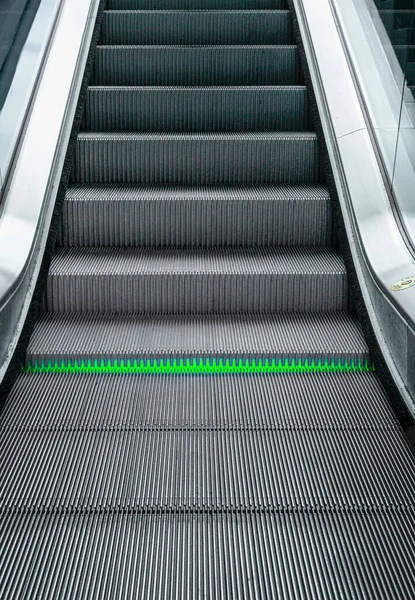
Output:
[[351, 554], [196, 65], [339, 401], [196, 281], [183, 217], [394, 4], [177, 109], [403, 36], [74, 336], [193, 468], [152, 27], [196, 4], [405, 54], [197, 158], [396, 19]]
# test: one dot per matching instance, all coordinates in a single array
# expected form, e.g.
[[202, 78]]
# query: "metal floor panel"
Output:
[[341, 401], [351, 554], [190, 468]]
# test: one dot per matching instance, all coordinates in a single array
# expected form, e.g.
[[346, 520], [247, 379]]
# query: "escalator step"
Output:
[[152, 27], [196, 65], [196, 4], [352, 554], [180, 217], [392, 4], [396, 19], [405, 54], [176, 109], [197, 159], [292, 400], [336, 336], [196, 282], [194, 468]]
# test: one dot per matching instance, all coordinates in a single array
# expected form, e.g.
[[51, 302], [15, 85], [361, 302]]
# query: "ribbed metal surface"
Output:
[[340, 401], [177, 109], [201, 469], [255, 486], [197, 159], [195, 281], [182, 217], [190, 65], [196, 4], [194, 27], [325, 335], [351, 554]]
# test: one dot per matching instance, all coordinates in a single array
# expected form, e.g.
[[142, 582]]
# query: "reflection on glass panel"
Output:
[[25, 27], [380, 37]]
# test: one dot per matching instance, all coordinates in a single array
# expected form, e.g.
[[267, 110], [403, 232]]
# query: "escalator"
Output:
[[399, 21], [198, 414]]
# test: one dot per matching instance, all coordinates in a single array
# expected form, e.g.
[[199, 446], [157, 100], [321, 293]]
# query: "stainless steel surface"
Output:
[[378, 248], [28, 201], [23, 85], [388, 100]]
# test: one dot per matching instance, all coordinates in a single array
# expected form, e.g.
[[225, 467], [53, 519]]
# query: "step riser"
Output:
[[196, 223], [68, 336], [198, 110], [196, 162], [196, 294], [396, 19], [193, 28], [196, 4], [172, 65]]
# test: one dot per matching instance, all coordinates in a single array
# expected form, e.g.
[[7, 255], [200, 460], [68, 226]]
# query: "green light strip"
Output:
[[202, 366]]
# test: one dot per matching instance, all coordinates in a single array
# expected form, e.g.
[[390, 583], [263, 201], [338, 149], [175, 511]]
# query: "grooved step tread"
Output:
[[203, 469], [222, 193], [355, 554], [288, 401], [200, 555], [136, 262], [286, 335], [196, 281]]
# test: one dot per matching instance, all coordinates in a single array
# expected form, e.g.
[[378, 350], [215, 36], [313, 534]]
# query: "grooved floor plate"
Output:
[[285, 335], [195, 27], [360, 554], [178, 216], [338, 401], [196, 65], [196, 281], [197, 158], [206, 469], [176, 109]]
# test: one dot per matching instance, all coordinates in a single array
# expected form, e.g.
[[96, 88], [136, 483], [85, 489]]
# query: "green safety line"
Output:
[[202, 366]]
